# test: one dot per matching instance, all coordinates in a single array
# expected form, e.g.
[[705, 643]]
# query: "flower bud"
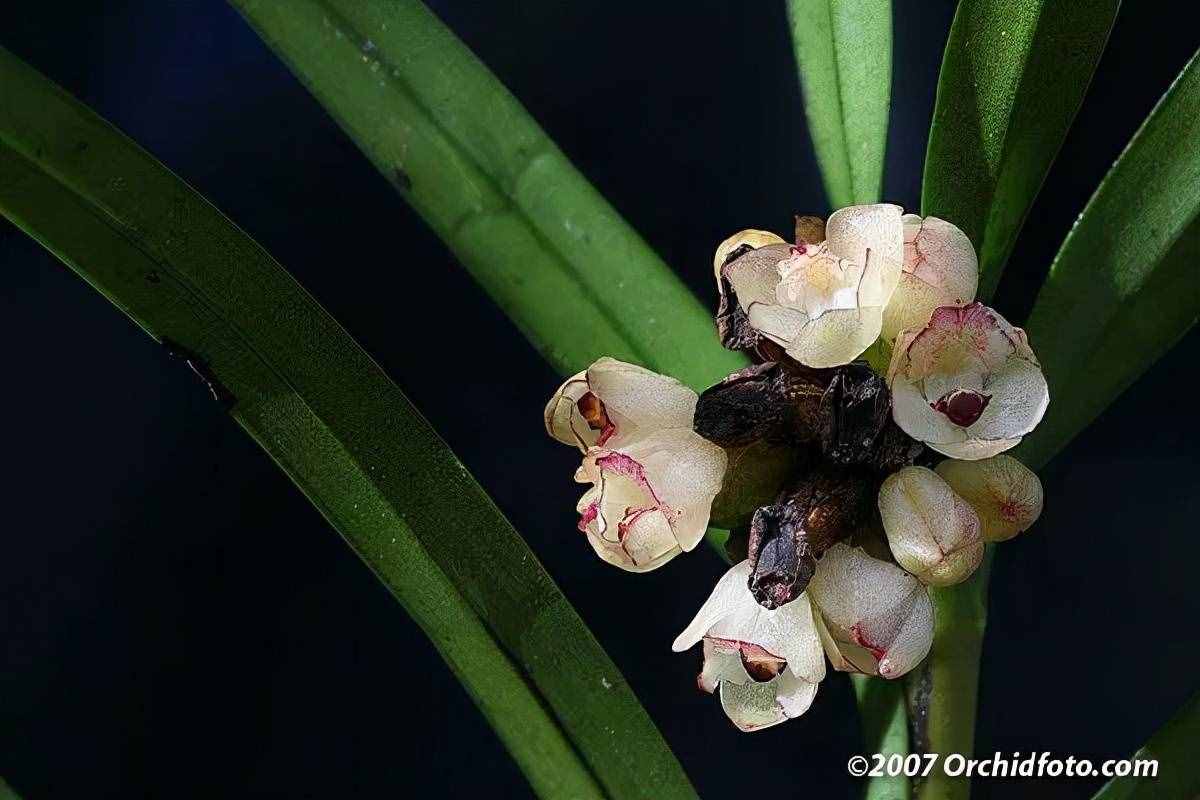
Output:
[[873, 617], [1005, 493], [611, 401], [933, 533]]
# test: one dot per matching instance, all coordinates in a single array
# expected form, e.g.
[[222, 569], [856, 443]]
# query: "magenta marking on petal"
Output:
[[631, 516], [623, 465], [607, 433], [861, 639], [963, 407], [589, 514]]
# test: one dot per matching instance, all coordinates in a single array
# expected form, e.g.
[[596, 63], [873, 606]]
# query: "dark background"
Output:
[[177, 621]]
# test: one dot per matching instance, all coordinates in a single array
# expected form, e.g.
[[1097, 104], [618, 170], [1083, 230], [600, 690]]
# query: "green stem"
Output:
[[882, 712], [943, 693]]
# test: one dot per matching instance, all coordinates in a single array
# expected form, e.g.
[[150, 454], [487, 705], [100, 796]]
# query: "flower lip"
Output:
[[760, 663], [592, 409], [962, 406]]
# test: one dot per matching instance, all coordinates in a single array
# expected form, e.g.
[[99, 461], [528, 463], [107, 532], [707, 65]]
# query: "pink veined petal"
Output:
[[1005, 493], [973, 338], [939, 254], [685, 472]]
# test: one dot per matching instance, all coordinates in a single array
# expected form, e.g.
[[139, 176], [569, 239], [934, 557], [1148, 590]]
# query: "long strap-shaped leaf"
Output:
[[346, 435], [1123, 288], [576, 278], [1126, 284], [844, 54], [1013, 77], [1174, 748]]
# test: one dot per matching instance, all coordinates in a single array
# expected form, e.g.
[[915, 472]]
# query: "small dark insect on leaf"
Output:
[[199, 366]]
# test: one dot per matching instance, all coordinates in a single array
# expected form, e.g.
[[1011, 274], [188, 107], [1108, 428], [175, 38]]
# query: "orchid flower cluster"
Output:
[[828, 472]]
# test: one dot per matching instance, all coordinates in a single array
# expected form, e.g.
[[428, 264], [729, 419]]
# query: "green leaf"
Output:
[[331, 419], [7, 792], [577, 280], [844, 54], [1125, 285], [1174, 748], [1013, 77]]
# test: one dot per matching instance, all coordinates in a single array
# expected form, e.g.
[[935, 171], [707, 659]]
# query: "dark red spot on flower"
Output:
[[962, 406]]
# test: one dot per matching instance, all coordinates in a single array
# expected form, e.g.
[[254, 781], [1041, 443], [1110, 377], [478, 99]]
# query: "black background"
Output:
[[177, 621]]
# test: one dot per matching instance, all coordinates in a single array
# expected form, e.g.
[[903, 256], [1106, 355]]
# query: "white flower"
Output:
[[611, 401], [654, 478], [932, 532], [766, 664], [940, 269], [873, 617], [1005, 493], [824, 303], [967, 383]]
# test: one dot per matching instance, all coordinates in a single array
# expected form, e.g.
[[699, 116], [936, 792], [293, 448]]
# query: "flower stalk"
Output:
[[943, 694]]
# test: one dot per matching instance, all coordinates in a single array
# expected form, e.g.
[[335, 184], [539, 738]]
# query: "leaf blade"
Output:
[[1012, 79], [1174, 748], [1123, 287], [576, 279], [341, 430], [844, 59]]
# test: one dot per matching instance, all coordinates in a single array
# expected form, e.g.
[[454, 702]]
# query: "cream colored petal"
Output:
[[618, 557], [636, 395], [933, 533], [1019, 398], [836, 337], [564, 421], [780, 324], [754, 276], [853, 231], [729, 595], [754, 238], [912, 304], [974, 449], [875, 605], [1005, 493]]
